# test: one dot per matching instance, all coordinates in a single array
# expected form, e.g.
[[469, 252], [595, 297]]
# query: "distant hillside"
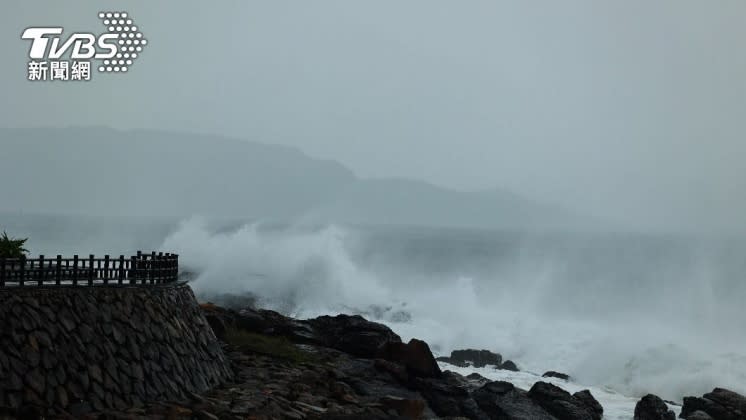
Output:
[[149, 173], [410, 202]]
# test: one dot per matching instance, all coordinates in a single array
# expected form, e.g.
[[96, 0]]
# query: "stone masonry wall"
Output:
[[77, 349]]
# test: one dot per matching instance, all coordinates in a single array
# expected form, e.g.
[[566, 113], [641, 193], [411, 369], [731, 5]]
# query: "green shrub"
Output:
[[278, 347], [12, 247]]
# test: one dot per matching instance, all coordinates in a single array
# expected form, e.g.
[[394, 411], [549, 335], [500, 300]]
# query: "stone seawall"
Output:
[[86, 348]]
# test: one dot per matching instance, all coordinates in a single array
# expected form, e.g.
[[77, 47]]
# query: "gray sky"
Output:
[[629, 110]]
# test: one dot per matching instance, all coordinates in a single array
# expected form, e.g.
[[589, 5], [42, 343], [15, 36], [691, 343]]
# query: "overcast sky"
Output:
[[628, 110]]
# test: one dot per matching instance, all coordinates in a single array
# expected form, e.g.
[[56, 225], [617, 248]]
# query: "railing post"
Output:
[[168, 267], [106, 269], [152, 268], [121, 269], [132, 273], [75, 270], [22, 271], [140, 266], [40, 275], [2, 272], [90, 270], [58, 272], [160, 267]]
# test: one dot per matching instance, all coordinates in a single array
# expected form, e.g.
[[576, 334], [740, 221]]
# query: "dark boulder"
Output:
[[449, 396], [353, 334], [258, 321], [720, 404], [502, 400], [477, 377], [699, 415], [274, 323], [553, 374], [405, 407], [509, 365], [651, 407], [415, 356], [396, 370], [561, 404], [350, 334], [476, 358], [587, 398]]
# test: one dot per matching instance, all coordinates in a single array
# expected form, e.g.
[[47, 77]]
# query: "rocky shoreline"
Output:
[[345, 367]]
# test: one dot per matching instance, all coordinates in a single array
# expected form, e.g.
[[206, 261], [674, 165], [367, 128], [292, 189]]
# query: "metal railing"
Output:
[[145, 269]]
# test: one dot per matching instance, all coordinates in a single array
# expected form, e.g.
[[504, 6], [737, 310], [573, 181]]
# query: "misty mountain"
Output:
[[411, 202], [101, 171]]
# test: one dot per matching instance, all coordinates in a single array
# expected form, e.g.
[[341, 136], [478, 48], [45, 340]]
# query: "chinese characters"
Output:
[[59, 70]]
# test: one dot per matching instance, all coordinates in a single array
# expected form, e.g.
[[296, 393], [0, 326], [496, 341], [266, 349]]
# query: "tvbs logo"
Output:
[[115, 50]]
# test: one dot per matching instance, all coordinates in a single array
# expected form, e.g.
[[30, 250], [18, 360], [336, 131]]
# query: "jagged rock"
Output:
[[409, 408], [509, 365], [587, 398], [274, 323], [476, 358], [651, 407], [561, 404], [396, 370], [699, 415], [415, 356], [502, 400], [476, 377], [720, 404], [448, 396], [354, 334], [349, 333], [553, 374]]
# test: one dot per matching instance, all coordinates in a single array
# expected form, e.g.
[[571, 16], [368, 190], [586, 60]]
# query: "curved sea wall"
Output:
[[83, 348]]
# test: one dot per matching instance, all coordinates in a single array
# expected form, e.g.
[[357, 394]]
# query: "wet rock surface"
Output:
[[471, 357], [478, 359], [415, 356], [349, 333], [509, 365], [720, 404], [651, 407], [553, 374], [564, 406]]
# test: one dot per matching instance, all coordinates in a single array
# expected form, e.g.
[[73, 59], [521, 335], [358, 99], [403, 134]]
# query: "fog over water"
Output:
[[560, 182]]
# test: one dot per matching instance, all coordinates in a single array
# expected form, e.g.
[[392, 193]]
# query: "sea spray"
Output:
[[636, 315]]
